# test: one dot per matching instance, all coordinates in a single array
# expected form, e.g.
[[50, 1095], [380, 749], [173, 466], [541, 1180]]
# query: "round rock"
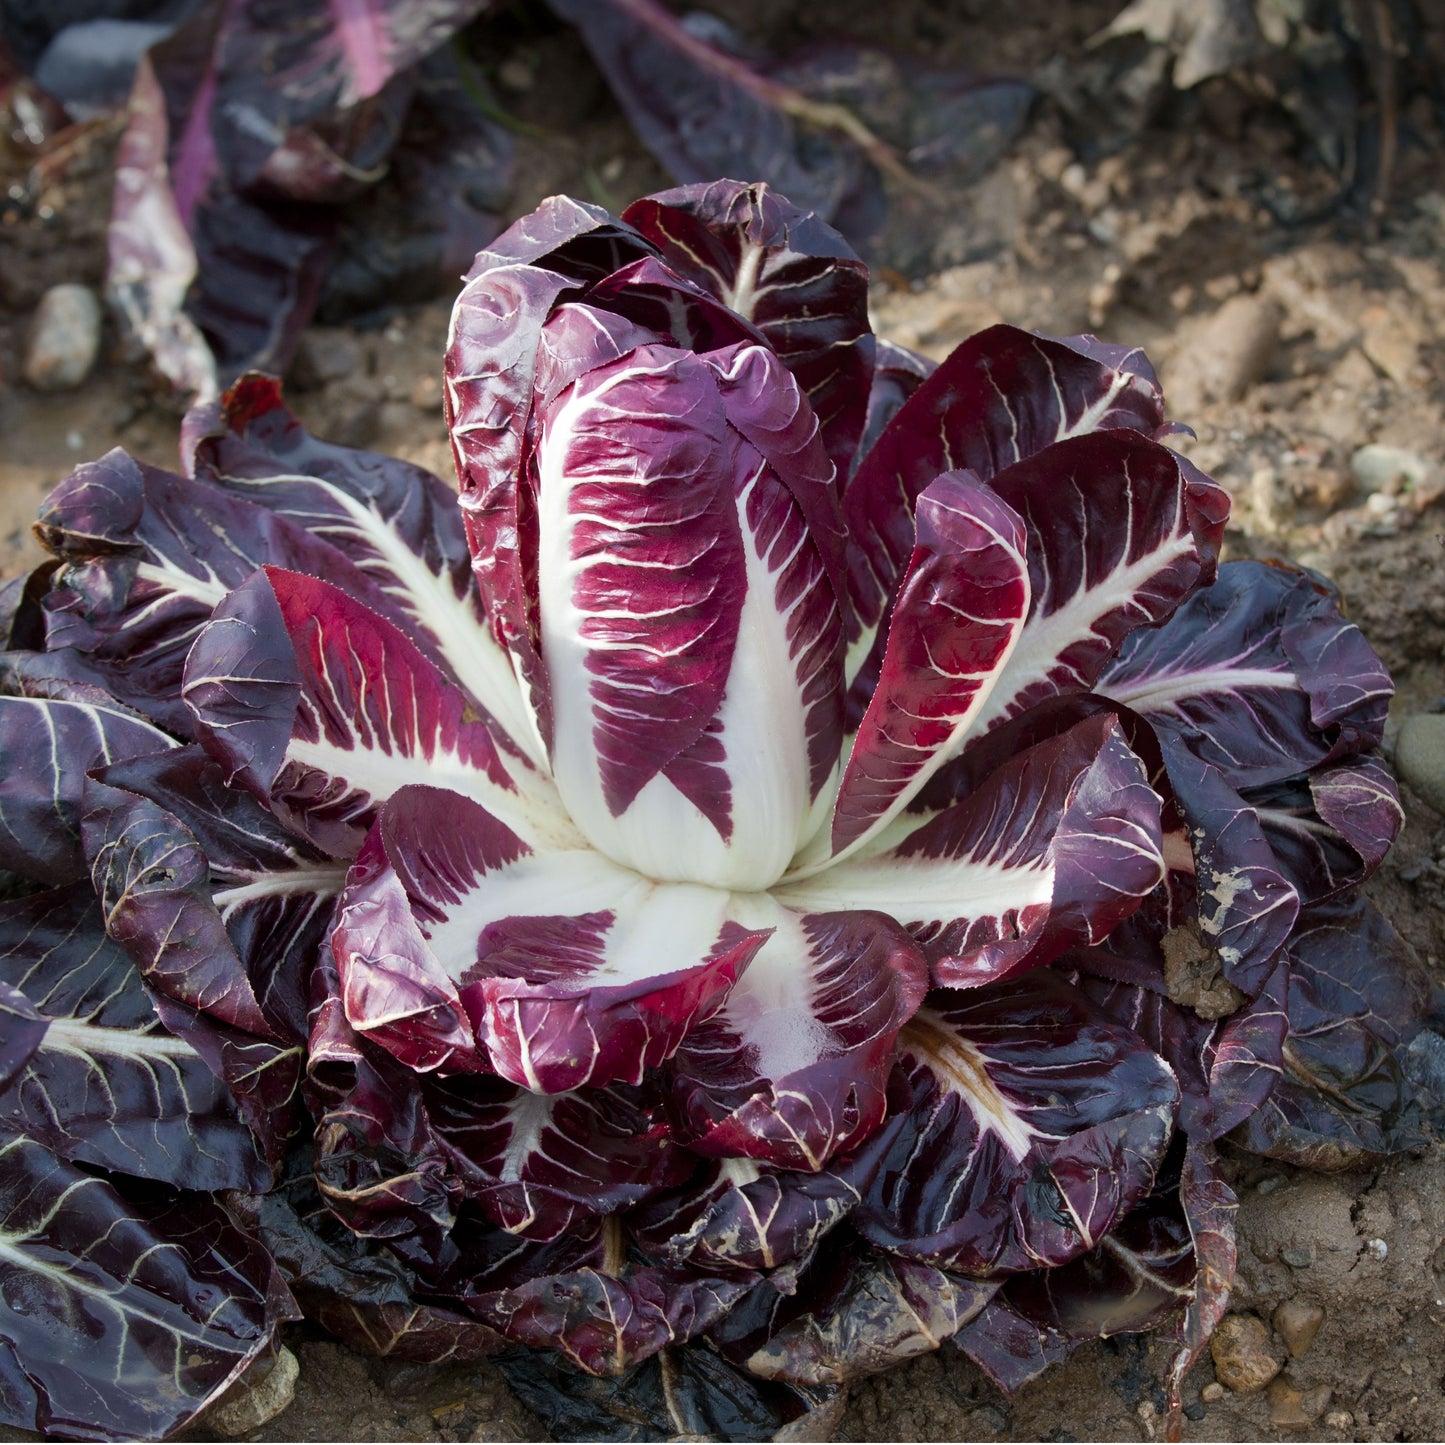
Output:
[[1420, 756], [64, 338], [258, 1396], [1242, 1358]]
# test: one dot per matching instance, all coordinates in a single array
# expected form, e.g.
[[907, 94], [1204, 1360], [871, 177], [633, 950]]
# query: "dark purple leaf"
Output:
[[1057, 846], [49, 743], [1244, 905], [1358, 999], [22, 623], [155, 889], [793, 1067], [247, 126], [132, 1307], [683, 1392], [850, 1313], [272, 891], [604, 1324], [148, 555], [1036, 1124], [1331, 829], [456, 944], [702, 112], [788, 273], [411, 235], [358, 1290], [379, 1165], [583, 1296], [741, 1215], [102, 1082], [1259, 673], [1226, 1067], [1140, 1277], [897, 374], [540, 1165], [891, 1311], [154, 885], [1009, 1347]]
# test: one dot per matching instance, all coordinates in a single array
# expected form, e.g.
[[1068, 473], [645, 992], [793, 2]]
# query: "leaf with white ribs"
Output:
[[1258, 673], [48, 744], [1057, 845], [1035, 1125], [248, 888], [1120, 531], [540, 1165], [396, 523], [740, 1215], [132, 1308], [850, 1312], [96, 1078], [322, 709], [788, 273], [958, 615], [793, 1068], [147, 556], [1332, 828], [1002, 397], [458, 944]]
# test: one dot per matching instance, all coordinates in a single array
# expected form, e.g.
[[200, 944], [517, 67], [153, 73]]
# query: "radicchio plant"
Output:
[[803, 865]]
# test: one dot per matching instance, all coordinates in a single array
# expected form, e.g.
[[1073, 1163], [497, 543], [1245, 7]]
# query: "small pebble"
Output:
[[1242, 1358], [1339, 1420], [1379, 468], [1298, 1322], [1212, 1391], [1196, 1411], [1298, 1258], [261, 1394], [1377, 1249], [1420, 762], [64, 338]]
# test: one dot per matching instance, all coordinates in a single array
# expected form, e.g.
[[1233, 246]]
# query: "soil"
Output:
[[1288, 347]]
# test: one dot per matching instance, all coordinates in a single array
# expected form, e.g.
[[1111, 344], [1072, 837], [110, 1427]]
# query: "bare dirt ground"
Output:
[[1288, 348]]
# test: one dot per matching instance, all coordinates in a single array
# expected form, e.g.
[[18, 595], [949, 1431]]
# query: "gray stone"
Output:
[[64, 338], [258, 1396], [1420, 756], [1380, 468]]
